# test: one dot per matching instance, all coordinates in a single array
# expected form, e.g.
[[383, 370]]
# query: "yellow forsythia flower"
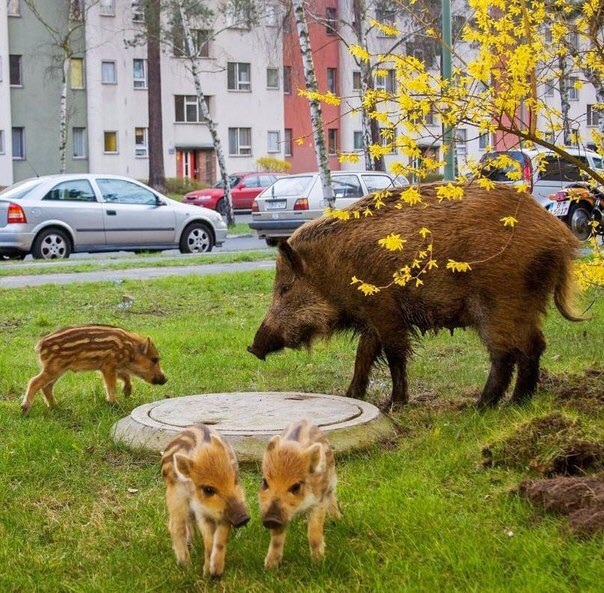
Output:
[[449, 192], [392, 242], [424, 232], [411, 196], [368, 289], [508, 221], [458, 266]]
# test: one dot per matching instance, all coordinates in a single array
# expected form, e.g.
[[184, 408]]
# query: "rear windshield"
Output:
[[495, 172], [288, 186], [18, 190]]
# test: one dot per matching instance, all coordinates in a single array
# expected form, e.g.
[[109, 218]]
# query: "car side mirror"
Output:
[[160, 202]]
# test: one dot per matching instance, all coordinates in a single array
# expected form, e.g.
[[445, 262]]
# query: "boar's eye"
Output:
[[284, 289], [295, 489], [155, 360], [208, 490], [264, 484]]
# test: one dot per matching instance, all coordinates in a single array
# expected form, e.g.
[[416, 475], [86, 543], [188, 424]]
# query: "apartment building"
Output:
[[6, 154]]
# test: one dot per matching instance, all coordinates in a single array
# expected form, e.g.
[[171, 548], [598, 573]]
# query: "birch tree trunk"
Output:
[[63, 116], [316, 117], [564, 100], [206, 113]]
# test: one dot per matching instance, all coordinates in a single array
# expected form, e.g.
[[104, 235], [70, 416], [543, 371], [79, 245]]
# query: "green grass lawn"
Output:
[[79, 513]]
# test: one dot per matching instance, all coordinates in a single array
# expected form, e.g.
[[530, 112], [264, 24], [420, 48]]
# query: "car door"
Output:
[[347, 189], [75, 204], [553, 174], [134, 214], [245, 191]]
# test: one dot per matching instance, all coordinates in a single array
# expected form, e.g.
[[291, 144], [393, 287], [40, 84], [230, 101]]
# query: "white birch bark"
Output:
[[316, 117], [63, 117], [206, 113]]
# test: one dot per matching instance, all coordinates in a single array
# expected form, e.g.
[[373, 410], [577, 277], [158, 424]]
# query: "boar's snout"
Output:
[[273, 522], [159, 380], [236, 513], [241, 521], [256, 353]]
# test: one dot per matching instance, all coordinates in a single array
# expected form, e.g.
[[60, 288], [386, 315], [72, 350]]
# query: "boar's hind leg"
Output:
[[35, 384], [528, 368], [110, 378], [500, 375], [49, 398], [368, 350], [127, 383], [397, 350]]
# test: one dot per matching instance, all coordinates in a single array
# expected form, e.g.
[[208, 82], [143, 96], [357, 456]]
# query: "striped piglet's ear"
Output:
[[182, 466]]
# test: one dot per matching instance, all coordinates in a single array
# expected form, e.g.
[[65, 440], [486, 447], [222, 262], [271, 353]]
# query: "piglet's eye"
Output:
[[284, 289], [264, 484], [295, 489], [208, 490], [155, 360]]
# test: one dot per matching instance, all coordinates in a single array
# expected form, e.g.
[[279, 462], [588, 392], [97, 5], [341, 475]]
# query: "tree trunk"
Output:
[[157, 175], [63, 117], [206, 113], [316, 117], [564, 101]]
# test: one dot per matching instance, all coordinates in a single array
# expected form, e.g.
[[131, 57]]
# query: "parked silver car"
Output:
[[56, 215], [293, 200]]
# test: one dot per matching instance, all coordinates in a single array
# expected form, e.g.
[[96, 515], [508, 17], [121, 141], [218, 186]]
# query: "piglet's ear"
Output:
[[291, 257], [182, 466], [316, 458], [216, 441], [144, 348], [273, 442]]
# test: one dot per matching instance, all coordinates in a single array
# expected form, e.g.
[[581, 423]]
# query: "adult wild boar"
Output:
[[514, 271]]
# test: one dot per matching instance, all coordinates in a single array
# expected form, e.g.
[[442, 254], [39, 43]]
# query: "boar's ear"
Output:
[[273, 442], [182, 466], [291, 256], [144, 348], [316, 458], [216, 441]]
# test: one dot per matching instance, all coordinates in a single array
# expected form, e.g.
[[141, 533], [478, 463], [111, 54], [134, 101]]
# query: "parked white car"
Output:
[[544, 171], [56, 215], [293, 200]]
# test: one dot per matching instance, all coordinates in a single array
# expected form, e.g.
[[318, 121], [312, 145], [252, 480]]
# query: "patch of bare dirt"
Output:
[[551, 445], [580, 499], [583, 392]]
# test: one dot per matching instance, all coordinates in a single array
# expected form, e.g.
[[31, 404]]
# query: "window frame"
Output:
[[114, 64], [2, 143], [274, 87], [144, 79], [19, 155], [332, 80], [15, 60], [74, 135], [77, 73], [13, 8], [117, 146], [234, 72], [141, 151], [275, 147], [107, 7], [288, 142], [331, 20], [241, 148], [592, 116], [187, 102], [332, 141]]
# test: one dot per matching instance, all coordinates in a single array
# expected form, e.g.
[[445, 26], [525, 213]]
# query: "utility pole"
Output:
[[446, 71]]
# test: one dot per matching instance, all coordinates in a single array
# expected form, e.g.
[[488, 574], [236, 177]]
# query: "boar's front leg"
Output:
[[125, 377], [368, 350], [221, 535], [275, 548], [110, 377], [207, 529], [316, 538]]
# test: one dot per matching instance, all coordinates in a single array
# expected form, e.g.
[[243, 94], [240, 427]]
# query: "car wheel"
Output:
[[221, 207], [196, 238], [51, 244], [578, 219], [272, 242]]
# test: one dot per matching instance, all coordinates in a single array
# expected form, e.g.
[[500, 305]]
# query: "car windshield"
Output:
[[491, 168], [233, 181], [598, 164], [20, 189], [288, 186]]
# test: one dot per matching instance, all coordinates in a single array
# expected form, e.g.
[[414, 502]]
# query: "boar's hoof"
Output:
[[251, 350], [24, 409]]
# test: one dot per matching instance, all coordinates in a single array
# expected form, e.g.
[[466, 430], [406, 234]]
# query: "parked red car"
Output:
[[244, 188]]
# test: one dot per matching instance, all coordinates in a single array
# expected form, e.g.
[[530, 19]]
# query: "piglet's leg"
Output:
[[110, 378], [48, 395], [219, 549], [207, 529], [127, 383], [179, 525], [35, 384], [316, 540], [275, 548]]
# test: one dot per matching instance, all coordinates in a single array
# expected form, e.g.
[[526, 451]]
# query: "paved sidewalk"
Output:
[[132, 274]]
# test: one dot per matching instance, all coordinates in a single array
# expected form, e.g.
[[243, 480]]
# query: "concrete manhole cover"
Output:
[[249, 420]]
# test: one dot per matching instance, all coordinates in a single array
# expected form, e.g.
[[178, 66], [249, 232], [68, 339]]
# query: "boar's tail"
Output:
[[565, 292]]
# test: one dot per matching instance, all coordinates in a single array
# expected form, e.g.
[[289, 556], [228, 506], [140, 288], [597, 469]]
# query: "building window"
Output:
[[239, 76], [18, 144], [108, 72], [430, 117], [272, 15], [274, 141], [593, 116], [15, 65], [201, 42], [240, 141], [385, 16], [288, 142], [483, 141], [357, 84], [388, 139], [141, 142], [272, 78], [79, 143], [76, 68], [332, 141], [14, 8], [187, 109], [549, 89], [138, 11], [2, 148], [573, 91], [331, 23], [332, 80], [140, 73], [287, 80], [357, 141], [107, 7], [386, 81], [461, 142], [110, 143]]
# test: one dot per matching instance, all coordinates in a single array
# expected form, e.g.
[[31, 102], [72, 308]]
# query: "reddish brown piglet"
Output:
[[298, 477], [201, 474], [115, 352]]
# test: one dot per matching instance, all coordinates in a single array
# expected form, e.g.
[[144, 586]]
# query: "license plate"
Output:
[[276, 205], [560, 208]]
